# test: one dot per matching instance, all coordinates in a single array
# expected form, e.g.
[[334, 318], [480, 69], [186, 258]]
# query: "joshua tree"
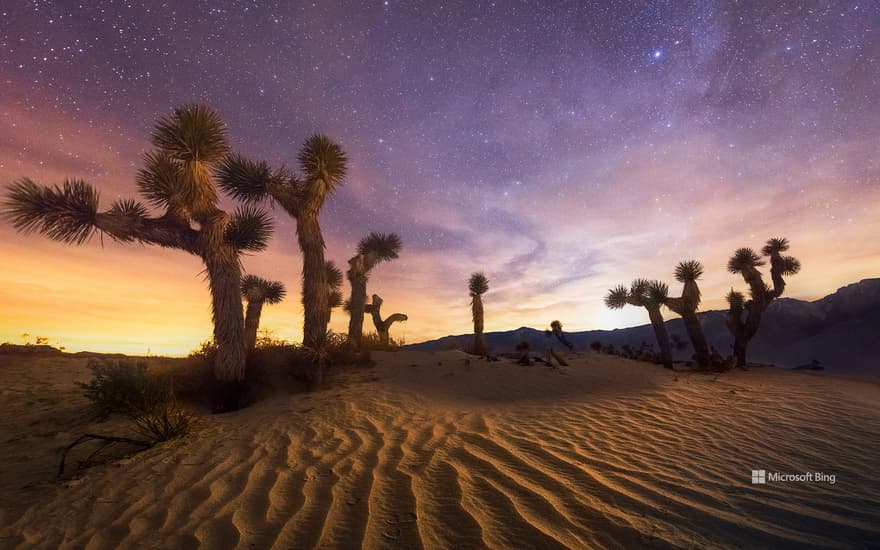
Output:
[[556, 329], [176, 178], [744, 316], [323, 165], [650, 295], [478, 285], [372, 250], [382, 326], [258, 291], [686, 306]]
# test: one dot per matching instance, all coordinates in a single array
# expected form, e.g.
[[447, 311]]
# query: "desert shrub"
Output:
[[162, 417], [610, 349], [207, 350], [147, 399], [371, 341], [334, 352], [120, 387], [267, 338], [596, 345]]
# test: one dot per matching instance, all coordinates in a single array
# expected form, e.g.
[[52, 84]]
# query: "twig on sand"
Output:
[[107, 439]]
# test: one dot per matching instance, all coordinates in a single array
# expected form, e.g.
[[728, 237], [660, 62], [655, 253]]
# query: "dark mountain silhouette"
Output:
[[840, 331]]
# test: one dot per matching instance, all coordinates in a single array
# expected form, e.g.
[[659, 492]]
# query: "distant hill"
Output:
[[840, 330]]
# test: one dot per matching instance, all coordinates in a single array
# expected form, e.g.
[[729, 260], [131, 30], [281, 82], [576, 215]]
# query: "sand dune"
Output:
[[432, 450]]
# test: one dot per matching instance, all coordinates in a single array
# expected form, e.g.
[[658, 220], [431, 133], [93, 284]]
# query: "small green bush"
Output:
[[121, 387], [147, 399]]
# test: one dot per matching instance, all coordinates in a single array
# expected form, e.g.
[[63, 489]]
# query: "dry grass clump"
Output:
[[371, 341]]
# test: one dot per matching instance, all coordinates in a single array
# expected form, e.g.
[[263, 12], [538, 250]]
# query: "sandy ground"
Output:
[[432, 450]]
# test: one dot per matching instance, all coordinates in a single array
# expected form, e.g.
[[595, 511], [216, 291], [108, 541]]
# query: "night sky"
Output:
[[561, 147]]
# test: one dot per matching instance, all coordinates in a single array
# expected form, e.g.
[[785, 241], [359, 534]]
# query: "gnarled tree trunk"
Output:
[[224, 279], [698, 339], [661, 335], [358, 280], [383, 326], [314, 290], [477, 310], [251, 323]]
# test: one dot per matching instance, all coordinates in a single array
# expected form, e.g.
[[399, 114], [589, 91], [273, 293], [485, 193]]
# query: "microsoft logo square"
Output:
[[759, 477]]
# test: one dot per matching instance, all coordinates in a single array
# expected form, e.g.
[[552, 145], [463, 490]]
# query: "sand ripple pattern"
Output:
[[414, 457]]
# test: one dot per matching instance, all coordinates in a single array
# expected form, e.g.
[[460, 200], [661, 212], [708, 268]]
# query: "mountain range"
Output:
[[841, 331]]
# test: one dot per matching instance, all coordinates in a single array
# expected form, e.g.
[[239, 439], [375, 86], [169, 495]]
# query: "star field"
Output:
[[560, 147]]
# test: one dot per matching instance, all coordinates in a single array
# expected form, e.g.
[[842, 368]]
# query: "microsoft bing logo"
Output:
[[759, 477]]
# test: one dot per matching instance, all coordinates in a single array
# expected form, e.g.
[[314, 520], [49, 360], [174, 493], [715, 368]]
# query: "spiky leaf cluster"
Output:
[[658, 291], [478, 284], [249, 228], [64, 213], [735, 300], [617, 297], [192, 133], [161, 182], [124, 218], [381, 246], [323, 163], [790, 265], [688, 271], [743, 259], [264, 290], [775, 246], [556, 326], [333, 277], [244, 179]]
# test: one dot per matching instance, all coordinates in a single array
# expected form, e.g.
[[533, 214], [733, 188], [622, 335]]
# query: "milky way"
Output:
[[560, 147]]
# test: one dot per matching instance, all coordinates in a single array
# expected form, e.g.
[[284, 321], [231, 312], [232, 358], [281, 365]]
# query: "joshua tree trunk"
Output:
[[382, 327], [251, 323], [314, 291], [744, 330], [479, 342], [224, 279], [661, 334], [358, 300], [744, 335], [739, 351], [228, 320], [698, 339]]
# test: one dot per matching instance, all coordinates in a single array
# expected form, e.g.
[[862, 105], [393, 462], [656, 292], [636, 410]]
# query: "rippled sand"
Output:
[[432, 450]]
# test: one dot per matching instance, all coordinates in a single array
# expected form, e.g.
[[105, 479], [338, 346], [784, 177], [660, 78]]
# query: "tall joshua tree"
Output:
[[383, 325], [478, 285], [258, 291], [686, 306], [176, 178], [323, 165], [744, 316], [650, 295], [372, 250]]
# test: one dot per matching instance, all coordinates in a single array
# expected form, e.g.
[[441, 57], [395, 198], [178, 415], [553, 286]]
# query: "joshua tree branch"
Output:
[[382, 326], [166, 231]]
